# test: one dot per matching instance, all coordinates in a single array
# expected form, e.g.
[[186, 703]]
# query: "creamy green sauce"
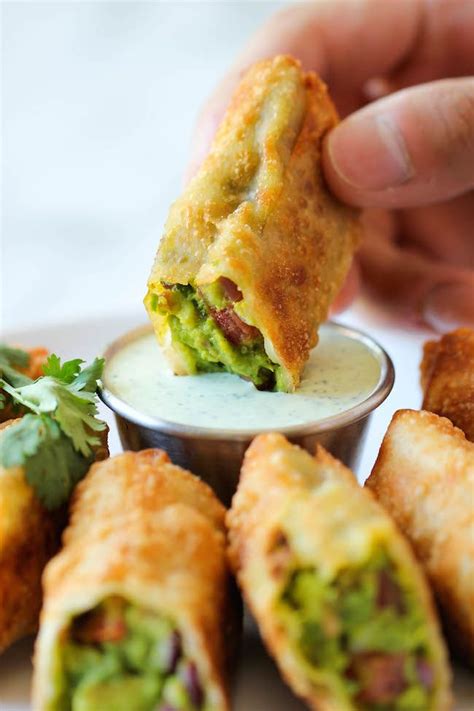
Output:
[[341, 373]]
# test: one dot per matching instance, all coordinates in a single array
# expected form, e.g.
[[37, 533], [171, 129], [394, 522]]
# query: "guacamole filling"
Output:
[[211, 336], [122, 658], [366, 630]]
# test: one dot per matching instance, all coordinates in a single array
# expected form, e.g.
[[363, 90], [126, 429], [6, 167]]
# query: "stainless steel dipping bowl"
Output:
[[216, 455]]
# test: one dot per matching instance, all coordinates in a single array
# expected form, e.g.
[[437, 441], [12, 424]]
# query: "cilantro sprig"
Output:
[[52, 466], [55, 442], [10, 360]]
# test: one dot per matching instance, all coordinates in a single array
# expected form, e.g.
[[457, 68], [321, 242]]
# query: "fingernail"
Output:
[[449, 306], [369, 153]]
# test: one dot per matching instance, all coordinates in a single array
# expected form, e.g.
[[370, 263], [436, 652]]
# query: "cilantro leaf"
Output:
[[52, 465], [14, 356], [88, 377], [66, 372], [72, 403], [10, 360]]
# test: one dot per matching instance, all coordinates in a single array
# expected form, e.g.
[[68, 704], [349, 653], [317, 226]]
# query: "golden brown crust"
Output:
[[258, 212], [447, 378], [29, 536], [315, 509], [424, 476], [147, 530]]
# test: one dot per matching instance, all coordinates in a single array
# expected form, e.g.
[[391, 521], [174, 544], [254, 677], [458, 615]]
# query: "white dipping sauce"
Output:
[[341, 373]]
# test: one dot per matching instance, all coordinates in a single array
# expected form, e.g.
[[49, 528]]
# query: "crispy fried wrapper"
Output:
[[299, 522], [150, 535], [424, 476], [259, 216], [29, 537], [447, 378]]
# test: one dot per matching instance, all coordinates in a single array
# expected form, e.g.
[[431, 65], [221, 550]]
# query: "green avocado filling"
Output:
[[207, 347], [365, 631], [119, 657]]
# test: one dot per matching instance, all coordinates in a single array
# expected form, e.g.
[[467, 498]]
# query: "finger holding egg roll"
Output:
[[340, 600], [137, 613]]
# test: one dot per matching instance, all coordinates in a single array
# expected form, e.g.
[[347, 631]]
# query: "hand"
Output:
[[408, 155]]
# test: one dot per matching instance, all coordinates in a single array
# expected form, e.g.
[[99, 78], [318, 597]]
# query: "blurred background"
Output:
[[99, 100]]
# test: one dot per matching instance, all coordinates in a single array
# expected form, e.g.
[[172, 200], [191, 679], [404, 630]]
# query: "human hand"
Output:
[[408, 156]]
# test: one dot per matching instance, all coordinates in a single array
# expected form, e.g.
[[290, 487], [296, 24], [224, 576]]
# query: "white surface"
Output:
[[99, 100]]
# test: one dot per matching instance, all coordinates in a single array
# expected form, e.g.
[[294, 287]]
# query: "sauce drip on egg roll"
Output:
[[339, 598], [138, 613]]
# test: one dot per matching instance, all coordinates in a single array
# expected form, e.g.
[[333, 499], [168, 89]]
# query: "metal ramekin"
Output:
[[216, 455]]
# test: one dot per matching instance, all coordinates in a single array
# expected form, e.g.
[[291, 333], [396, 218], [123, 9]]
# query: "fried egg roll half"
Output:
[[424, 477], [137, 610], [341, 603], [447, 378], [256, 248], [29, 536]]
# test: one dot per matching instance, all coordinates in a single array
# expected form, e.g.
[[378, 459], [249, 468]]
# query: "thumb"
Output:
[[412, 148]]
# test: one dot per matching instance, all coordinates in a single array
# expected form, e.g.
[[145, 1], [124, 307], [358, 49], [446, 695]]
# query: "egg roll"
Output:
[[29, 536], [137, 613], [256, 248], [339, 598], [424, 477], [447, 378]]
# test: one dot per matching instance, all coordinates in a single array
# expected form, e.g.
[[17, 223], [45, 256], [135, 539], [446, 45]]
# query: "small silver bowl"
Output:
[[216, 455]]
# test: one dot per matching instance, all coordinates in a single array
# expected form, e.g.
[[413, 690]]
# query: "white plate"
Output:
[[257, 686]]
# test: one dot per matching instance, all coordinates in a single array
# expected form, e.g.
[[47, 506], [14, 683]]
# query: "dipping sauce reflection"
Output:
[[341, 373]]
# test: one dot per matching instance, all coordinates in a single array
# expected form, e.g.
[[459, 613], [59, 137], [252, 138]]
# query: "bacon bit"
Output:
[[389, 593], [230, 289], [100, 626], [280, 555], [234, 329], [382, 676]]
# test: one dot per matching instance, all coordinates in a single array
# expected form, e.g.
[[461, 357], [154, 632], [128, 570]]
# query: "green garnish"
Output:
[[10, 360], [52, 465], [67, 397], [55, 445]]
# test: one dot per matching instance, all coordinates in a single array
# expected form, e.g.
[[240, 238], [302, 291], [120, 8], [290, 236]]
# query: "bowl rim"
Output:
[[334, 422]]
